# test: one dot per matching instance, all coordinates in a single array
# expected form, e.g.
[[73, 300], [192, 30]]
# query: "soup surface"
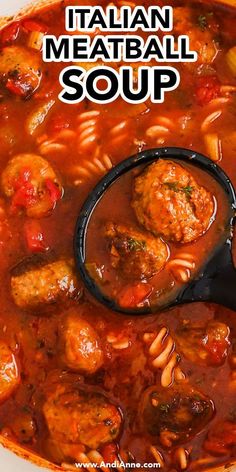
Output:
[[79, 383]]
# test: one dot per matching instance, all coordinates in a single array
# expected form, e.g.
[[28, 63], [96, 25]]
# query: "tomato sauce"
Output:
[[42, 295]]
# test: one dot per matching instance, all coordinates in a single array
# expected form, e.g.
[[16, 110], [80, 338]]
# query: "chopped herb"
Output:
[[172, 186], [188, 190], [136, 245], [113, 431], [165, 407], [178, 358], [175, 187], [202, 22]]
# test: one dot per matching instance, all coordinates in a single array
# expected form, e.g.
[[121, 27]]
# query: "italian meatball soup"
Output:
[[78, 382]]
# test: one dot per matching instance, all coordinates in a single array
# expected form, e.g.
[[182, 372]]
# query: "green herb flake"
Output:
[[136, 245], [202, 22], [187, 190], [176, 188], [165, 407]]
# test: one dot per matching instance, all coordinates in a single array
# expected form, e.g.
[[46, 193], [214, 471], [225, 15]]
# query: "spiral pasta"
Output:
[[181, 266], [164, 356], [160, 129], [93, 461]]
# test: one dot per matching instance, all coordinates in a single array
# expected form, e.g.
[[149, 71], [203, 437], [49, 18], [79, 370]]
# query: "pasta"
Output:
[[160, 129], [213, 146], [88, 130], [181, 266], [157, 456], [161, 349], [96, 167], [93, 457], [181, 457], [118, 342], [210, 119]]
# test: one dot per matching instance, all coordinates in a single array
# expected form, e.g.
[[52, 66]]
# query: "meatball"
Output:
[[175, 414], [31, 183], [20, 67], [199, 32], [135, 254], [81, 344], [206, 345], [9, 372], [78, 416], [20, 70], [45, 285], [168, 201]]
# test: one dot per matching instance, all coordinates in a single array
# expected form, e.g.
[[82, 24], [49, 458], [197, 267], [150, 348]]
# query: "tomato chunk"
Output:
[[109, 453], [33, 25], [54, 190], [16, 87], [134, 295], [10, 33], [207, 89], [34, 236]]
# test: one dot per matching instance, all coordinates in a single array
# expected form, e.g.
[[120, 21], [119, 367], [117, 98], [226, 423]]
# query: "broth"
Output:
[[66, 361]]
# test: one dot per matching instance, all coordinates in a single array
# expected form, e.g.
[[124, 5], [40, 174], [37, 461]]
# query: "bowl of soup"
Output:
[[80, 383]]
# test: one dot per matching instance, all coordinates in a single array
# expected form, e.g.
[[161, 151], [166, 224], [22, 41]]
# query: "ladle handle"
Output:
[[217, 284]]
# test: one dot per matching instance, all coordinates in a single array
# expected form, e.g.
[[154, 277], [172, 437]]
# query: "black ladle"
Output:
[[217, 280]]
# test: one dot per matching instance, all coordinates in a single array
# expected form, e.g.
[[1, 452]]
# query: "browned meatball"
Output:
[[9, 372], [77, 416], [81, 344], [45, 285], [135, 254], [168, 201], [20, 70], [32, 184], [204, 344], [175, 414]]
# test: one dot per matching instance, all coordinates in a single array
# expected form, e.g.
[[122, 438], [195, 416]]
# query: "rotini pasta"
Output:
[[118, 342], [210, 119], [213, 146], [88, 133], [164, 356], [96, 167], [181, 458], [157, 456], [181, 266], [93, 457]]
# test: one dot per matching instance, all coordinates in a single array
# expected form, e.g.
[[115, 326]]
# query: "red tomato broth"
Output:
[[33, 335]]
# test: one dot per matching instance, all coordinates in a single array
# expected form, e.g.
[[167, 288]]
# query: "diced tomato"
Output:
[[21, 179], [34, 236], [221, 439], [33, 25], [24, 197], [217, 351], [109, 453], [134, 295], [59, 123], [54, 191], [10, 33], [15, 86], [207, 89]]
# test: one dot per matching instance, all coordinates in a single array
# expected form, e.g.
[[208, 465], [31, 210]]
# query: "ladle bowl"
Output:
[[216, 280]]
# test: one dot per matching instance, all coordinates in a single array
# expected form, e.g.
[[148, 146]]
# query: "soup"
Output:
[[78, 382]]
